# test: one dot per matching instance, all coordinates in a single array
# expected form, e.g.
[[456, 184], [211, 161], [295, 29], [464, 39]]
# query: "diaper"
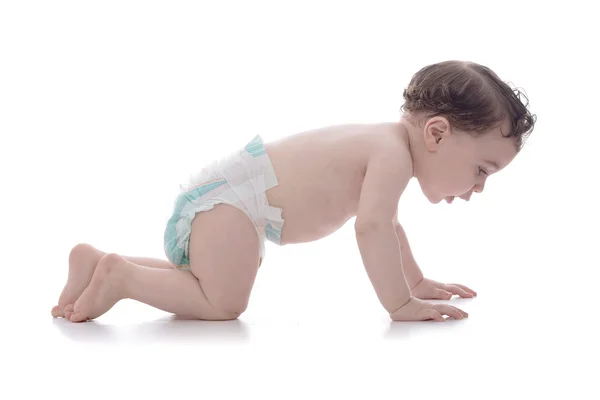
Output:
[[240, 180]]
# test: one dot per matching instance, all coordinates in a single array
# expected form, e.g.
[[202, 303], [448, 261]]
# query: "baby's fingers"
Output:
[[450, 311], [441, 294], [430, 313], [464, 288], [455, 289]]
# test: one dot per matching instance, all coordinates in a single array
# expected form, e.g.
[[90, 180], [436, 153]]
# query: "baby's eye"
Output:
[[482, 171]]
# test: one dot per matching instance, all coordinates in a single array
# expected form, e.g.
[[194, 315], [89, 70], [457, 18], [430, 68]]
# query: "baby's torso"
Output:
[[320, 175]]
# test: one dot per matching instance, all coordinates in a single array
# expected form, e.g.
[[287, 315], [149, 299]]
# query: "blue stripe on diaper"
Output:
[[193, 194], [272, 233], [256, 147], [176, 254]]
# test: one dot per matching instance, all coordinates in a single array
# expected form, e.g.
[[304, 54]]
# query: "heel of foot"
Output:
[[102, 292]]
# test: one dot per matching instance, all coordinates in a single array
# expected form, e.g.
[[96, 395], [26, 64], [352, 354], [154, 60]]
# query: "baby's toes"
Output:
[[68, 311], [57, 312], [77, 316]]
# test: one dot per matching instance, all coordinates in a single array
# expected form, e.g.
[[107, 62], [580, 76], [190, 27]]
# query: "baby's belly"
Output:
[[302, 229], [306, 223]]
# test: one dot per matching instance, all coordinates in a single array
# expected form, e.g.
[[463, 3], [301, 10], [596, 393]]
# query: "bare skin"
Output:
[[324, 181], [83, 260], [224, 262]]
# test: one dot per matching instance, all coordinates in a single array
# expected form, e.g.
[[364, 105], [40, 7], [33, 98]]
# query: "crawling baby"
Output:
[[459, 124]]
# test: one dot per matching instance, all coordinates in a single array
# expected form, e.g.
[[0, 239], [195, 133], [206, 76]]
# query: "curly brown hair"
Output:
[[471, 96]]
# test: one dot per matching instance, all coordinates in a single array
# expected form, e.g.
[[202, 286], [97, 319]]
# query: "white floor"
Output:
[[104, 107], [533, 336]]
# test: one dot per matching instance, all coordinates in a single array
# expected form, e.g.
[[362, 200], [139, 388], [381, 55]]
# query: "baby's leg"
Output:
[[224, 257], [170, 290], [82, 263]]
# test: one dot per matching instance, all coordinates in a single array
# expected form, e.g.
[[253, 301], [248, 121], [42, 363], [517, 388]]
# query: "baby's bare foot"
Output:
[[82, 262], [102, 293]]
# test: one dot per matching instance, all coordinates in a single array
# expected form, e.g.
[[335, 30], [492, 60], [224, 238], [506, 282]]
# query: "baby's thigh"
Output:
[[224, 252]]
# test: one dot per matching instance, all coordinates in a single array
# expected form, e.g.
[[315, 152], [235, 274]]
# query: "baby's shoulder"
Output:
[[355, 144], [389, 141], [371, 138]]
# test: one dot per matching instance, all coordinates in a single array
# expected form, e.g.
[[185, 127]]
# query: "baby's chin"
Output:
[[438, 199], [433, 199], [433, 196]]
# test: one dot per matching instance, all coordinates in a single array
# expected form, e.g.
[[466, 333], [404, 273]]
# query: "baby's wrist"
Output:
[[413, 274], [414, 284], [410, 297]]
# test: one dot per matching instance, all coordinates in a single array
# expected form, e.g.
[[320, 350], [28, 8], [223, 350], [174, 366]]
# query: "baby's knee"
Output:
[[221, 316], [215, 314], [228, 311], [227, 307]]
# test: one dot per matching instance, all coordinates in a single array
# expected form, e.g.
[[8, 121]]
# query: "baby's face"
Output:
[[462, 164]]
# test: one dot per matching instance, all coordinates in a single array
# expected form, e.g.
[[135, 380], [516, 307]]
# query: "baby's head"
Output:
[[465, 124]]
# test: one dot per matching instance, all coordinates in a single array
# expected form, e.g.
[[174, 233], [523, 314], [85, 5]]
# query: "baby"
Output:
[[460, 123]]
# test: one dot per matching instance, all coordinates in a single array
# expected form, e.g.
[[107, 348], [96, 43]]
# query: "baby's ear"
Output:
[[435, 130]]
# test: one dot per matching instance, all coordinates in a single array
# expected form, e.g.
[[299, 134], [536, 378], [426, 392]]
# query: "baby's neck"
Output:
[[414, 136]]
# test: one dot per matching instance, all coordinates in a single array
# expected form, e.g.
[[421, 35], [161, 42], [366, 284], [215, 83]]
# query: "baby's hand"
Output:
[[419, 310], [430, 289]]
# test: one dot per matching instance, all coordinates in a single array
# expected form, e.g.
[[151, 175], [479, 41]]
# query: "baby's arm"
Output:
[[387, 175], [411, 269], [421, 287]]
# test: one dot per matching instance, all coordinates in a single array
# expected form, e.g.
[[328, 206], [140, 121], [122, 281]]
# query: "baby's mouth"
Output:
[[449, 199]]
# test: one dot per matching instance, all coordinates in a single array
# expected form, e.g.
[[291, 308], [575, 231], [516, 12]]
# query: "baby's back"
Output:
[[320, 174]]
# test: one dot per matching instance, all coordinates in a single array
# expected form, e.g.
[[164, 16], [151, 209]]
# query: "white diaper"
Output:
[[240, 180]]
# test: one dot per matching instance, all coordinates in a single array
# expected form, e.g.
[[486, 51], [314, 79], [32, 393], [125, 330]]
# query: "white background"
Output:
[[106, 107]]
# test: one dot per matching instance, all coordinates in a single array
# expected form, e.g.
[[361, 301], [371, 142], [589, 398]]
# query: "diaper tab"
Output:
[[255, 147], [274, 224]]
